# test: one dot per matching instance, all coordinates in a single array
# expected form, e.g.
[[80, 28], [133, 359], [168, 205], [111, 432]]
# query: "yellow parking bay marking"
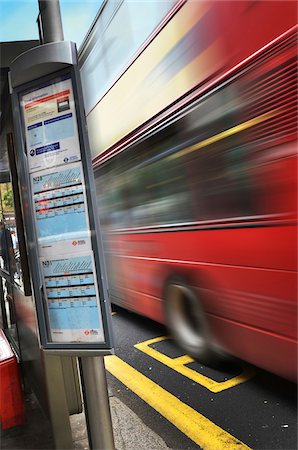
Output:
[[179, 365], [193, 424]]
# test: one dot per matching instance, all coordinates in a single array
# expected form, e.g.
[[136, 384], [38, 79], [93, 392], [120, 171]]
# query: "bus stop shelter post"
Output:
[[51, 22], [97, 408], [57, 402]]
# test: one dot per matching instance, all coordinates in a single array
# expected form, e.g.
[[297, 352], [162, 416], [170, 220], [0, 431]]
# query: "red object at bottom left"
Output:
[[12, 408]]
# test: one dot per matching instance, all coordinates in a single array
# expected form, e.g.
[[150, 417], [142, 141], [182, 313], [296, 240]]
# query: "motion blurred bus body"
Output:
[[194, 150]]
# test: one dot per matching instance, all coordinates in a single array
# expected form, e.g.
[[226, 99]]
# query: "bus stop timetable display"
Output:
[[59, 200], [50, 125], [72, 299], [65, 248]]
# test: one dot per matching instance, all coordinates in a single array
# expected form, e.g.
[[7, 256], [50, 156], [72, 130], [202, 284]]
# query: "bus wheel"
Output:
[[186, 321]]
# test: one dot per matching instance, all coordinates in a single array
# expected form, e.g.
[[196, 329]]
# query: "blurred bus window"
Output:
[[103, 62], [207, 165]]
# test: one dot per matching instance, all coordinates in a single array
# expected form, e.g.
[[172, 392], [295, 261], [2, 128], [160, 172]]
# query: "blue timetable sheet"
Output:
[[60, 205], [72, 299]]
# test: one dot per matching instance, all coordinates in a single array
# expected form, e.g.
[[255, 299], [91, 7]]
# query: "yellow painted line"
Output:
[[113, 313], [230, 132], [193, 424], [179, 365]]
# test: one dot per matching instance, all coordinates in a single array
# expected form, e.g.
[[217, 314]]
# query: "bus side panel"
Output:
[[243, 287], [258, 22], [259, 297], [276, 354], [256, 324]]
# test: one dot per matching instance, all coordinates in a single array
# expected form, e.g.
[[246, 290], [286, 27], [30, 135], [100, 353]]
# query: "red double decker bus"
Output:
[[194, 145]]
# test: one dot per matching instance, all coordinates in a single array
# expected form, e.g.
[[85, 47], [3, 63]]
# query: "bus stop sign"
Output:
[[59, 208]]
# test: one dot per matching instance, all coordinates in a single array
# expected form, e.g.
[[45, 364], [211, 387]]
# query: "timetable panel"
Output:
[[60, 209], [72, 299], [50, 125]]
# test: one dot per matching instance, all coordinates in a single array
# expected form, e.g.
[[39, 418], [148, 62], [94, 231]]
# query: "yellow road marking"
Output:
[[179, 365], [113, 313], [193, 424]]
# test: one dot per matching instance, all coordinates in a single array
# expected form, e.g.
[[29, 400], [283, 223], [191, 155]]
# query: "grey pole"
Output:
[[51, 21], [95, 392]]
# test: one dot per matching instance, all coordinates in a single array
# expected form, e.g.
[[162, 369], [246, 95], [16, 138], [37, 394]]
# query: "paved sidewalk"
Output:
[[130, 432]]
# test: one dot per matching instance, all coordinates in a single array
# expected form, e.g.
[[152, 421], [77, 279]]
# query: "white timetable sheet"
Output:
[[51, 125], [73, 299]]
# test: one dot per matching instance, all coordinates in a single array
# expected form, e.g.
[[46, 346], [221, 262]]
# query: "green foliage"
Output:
[[7, 199]]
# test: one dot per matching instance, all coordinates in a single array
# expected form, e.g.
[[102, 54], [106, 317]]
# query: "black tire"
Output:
[[186, 321]]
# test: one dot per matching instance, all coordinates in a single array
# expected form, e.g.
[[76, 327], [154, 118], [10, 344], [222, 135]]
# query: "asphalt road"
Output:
[[191, 406]]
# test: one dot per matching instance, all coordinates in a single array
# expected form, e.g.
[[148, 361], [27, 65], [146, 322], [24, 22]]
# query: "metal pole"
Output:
[[97, 408], [57, 402], [51, 21]]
